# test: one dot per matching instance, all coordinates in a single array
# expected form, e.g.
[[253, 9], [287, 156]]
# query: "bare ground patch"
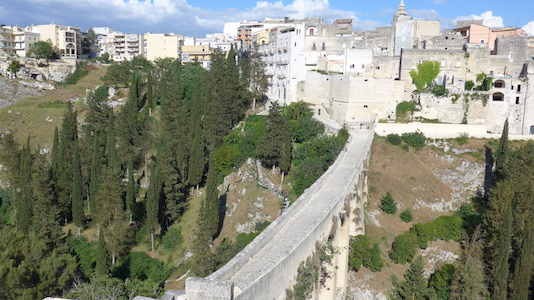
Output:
[[431, 182]]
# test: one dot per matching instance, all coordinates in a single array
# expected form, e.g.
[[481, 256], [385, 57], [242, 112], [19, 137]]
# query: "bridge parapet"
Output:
[[268, 265]]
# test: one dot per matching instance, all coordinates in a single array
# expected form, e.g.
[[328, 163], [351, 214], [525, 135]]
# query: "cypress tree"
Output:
[[23, 205], [55, 155], [219, 117], [93, 182], [197, 157], [150, 92], [130, 190], [210, 204], [499, 231], [68, 136], [110, 148], [153, 203], [102, 261], [45, 217], [77, 196], [275, 148], [502, 155], [524, 265]]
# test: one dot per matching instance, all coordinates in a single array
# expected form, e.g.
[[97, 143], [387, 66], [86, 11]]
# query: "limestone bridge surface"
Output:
[[268, 265]]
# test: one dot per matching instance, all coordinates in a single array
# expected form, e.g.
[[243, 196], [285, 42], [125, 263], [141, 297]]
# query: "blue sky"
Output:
[[198, 17]]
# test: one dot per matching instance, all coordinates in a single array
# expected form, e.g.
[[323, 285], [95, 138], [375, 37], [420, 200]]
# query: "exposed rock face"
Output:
[[33, 69], [12, 91]]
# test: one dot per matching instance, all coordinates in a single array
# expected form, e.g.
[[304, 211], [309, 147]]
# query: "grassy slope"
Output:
[[28, 116]]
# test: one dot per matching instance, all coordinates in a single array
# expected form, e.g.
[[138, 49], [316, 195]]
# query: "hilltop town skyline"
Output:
[[197, 18]]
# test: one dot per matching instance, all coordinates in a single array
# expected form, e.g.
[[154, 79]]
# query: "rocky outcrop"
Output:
[[34, 69]]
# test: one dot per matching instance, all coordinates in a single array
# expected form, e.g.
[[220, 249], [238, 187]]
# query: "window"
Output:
[[323, 46], [482, 41], [498, 97], [518, 88], [516, 100], [314, 47], [352, 66], [499, 84]]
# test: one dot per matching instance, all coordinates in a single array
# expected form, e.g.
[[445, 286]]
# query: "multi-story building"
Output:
[[66, 39], [161, 45], [200, 54], [22, 40], [476, 33], [7, 46]]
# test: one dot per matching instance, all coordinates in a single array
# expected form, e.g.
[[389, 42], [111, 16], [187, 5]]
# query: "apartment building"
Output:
[[22, 40], [7, 46], [161, 45], [66, 39]]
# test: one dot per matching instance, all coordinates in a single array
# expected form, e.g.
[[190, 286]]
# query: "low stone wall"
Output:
[[443, 131], [310, 223]]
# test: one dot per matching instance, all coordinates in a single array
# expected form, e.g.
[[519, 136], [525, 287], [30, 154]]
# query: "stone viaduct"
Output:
[[331, 209]]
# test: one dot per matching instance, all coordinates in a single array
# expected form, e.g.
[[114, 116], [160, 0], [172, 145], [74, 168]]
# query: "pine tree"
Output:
[[414, 285], [130, 190], [102, 261], [153, 203], [502, 155], [23, 207], [524, 265], [468, 282], [77, 195]]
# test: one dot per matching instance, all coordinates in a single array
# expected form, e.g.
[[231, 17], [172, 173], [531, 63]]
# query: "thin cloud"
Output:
[[529, 28], [489, 19], [139, 16]]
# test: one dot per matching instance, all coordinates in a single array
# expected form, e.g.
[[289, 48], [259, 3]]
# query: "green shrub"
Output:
[[387, 204], [463, 139], [439, 90], [404, 108], [86, 254], [394, 139], [144, 267], [415, 139], [226, 157], [361, 253], [79, 73], [469, 85], [406, 216], [404, 248], [172, 238], [441, 280], [443, 228]]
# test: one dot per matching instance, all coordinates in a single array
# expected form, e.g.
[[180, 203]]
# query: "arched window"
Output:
[[498, 97], [499, 84]]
